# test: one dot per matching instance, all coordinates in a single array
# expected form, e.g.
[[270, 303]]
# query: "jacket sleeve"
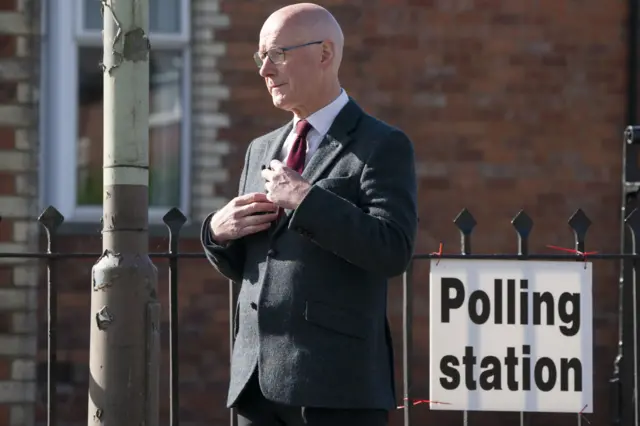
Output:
[[228, 259], [378, 234]]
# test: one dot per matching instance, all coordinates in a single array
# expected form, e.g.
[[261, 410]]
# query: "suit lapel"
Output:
[[274, 147], [336, 140]]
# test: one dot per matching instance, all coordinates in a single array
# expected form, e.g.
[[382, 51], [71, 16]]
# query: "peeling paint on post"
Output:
[[98, 415], [124, 353], [136, 46], [104, 318]]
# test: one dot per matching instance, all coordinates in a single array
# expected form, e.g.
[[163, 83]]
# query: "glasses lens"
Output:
[[257, 59], [276, 56]]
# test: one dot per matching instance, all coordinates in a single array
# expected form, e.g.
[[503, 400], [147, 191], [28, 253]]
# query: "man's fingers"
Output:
[[275, 165], [250, 222], [267, 174], [268, 186], [252, 197], [257, 219], [270, 196], [254, 229], [258, 207]]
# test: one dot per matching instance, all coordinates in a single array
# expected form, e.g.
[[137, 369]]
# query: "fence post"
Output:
[[523, 225], [624, 381], [579, 223], [51, 219], [234, 291], [175, 220], [407, 340], [465, 223], [125, 313], [633, 223]]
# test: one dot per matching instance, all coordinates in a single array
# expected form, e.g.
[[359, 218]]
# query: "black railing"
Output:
[[623, 385]]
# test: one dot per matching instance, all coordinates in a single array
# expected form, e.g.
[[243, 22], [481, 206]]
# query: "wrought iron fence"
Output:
[[623, 383]]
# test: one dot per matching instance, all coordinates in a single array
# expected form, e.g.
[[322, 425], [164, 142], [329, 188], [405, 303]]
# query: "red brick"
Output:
[[5, 368], [8, 5], [7, 138], [7, 183], [5, 414], [6, 230], [7, 45]]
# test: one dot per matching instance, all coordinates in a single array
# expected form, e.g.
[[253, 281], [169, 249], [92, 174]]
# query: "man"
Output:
[[325, 215]]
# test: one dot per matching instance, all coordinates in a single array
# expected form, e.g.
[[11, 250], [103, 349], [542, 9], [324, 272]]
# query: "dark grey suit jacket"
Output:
[[311, 311]]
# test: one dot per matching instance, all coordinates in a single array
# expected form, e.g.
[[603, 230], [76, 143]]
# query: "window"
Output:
[[72, 136]]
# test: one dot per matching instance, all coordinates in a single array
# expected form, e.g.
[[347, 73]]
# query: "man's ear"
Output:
[[327, 52]]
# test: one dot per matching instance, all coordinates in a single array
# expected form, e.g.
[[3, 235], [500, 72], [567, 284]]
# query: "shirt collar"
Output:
[[322, 119]]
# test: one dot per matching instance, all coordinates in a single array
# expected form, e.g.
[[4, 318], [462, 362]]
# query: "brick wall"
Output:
[[511, 105], [19, 29]]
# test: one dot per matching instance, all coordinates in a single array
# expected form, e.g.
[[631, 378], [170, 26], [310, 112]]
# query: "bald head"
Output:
[[304, 22], [299, 56]]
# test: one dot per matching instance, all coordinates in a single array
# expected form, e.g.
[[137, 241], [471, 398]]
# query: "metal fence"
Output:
[[623, 381]]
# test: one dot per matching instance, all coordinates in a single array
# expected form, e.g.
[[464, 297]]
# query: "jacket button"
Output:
[[254, 306], [271, 253]]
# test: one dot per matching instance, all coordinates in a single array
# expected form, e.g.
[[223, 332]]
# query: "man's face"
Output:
[[293, 80]]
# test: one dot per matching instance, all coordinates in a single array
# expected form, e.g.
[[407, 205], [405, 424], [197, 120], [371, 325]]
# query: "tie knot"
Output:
[[302, 128]]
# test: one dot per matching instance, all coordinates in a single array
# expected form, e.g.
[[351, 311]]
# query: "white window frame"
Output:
[[64, 35]]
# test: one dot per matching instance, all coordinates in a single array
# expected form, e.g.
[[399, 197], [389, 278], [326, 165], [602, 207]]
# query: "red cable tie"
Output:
[[422, 401], [581, 413], [438, 253], [583, 255]]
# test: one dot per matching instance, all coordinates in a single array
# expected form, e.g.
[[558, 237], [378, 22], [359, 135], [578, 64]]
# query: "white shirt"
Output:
[[321, 122]]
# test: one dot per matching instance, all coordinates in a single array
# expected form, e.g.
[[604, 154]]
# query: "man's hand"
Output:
[[238, 218], [285, 187]]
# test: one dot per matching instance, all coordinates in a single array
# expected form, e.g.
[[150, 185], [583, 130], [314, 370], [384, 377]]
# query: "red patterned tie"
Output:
[[298, 151]]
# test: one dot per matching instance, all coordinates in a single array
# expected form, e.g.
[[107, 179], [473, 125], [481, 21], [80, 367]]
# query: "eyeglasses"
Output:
[[276, 54]]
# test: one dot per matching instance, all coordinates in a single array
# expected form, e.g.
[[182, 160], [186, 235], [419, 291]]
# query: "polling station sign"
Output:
[[511, 336]]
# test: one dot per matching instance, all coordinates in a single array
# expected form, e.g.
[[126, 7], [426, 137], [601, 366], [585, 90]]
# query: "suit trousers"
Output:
[[255, 410]]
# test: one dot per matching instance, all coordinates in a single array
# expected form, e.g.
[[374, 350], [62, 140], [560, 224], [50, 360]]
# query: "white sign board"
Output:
[[511, 336]]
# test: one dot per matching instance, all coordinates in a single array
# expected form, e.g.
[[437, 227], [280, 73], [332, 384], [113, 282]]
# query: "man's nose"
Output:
[[267, 69]]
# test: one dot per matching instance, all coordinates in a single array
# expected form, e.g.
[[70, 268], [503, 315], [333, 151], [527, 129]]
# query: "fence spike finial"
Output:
[[580, 224], [465, 221], [633, 220], [522, 223], [51, 219], [633, 223], [174, 219]]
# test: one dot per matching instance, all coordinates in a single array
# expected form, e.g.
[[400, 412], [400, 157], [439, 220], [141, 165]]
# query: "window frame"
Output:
[[64, 36]]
